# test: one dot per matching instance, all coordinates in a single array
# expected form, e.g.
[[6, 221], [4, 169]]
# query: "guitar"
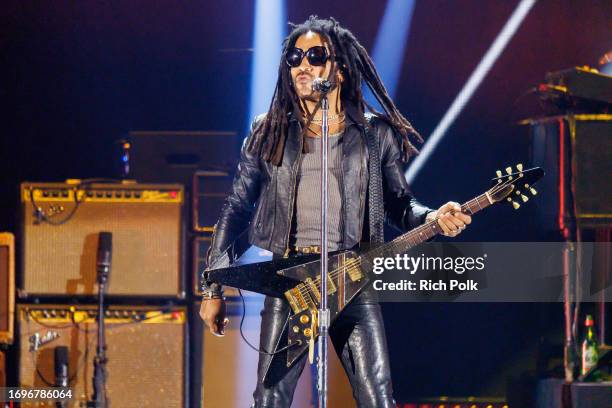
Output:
[[297, 279]]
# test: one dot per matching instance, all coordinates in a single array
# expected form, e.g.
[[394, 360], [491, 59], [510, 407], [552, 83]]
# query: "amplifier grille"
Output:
[[61, 259], [146, 358]]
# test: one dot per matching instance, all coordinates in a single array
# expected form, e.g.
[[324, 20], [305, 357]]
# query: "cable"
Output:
[[40, 215], [260, 351]]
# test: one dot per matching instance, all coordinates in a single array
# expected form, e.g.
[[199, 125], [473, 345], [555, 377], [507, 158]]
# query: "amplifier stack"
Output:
[[146, 346]]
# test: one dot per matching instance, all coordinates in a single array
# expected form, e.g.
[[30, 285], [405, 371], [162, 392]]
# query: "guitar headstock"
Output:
[[515, 186]]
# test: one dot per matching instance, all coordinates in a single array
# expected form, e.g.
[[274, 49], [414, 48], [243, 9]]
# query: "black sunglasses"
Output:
[[317, 56]]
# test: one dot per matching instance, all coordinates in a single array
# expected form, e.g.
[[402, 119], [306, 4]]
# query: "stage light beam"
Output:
[[470, 86], [269, 31], [388, 51]]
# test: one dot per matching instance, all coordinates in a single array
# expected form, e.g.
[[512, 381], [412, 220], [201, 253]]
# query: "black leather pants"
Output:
[[358, 336]]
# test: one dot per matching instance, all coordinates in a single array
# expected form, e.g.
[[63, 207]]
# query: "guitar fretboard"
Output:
[[420, 234]]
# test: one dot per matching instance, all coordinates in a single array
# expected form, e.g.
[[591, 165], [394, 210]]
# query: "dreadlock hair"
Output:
[[356, 66]]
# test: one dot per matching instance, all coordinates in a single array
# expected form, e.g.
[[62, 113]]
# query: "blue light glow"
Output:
[[269, 31], [388, 51]]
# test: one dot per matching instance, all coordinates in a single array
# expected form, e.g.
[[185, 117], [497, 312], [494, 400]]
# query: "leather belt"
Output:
[[312, 249]]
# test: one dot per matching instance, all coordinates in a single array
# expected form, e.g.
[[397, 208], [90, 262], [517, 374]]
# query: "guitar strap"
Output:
[[375, 189]]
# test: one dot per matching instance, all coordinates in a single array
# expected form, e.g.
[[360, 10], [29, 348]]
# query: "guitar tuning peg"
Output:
[[498, 173], [533, 191], [526, 185], [516, 205], [519, 167], [517, 192], [509, 199], [509, 170], [524, 198]]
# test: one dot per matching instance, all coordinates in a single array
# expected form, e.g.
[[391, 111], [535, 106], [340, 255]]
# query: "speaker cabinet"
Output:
[[7, 286], [146, 351], [576, 151], [61, 223]]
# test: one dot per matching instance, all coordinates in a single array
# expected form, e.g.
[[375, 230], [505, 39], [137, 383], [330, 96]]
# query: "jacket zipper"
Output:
[[361, 198]]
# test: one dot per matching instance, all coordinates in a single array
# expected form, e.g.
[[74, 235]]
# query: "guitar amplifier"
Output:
[[146, 351], [7, 286], [210, 188], [174, 156], [60, 227], [576, 151]]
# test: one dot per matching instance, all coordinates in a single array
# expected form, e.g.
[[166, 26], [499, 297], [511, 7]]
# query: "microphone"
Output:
[[321, 85], [61, 366], [61, 372], [105, 253]]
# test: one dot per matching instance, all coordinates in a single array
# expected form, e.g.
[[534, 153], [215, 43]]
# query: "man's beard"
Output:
[[313, 96]]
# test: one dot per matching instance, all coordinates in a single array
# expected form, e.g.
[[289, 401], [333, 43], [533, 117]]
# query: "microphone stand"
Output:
[[98, 399], [323, 313]]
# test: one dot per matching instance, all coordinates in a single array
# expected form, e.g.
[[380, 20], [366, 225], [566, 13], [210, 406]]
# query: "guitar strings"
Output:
[[304, 290]]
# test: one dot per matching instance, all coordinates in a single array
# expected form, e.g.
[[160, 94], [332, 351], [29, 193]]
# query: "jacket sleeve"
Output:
[[402, 210], [238, 208]]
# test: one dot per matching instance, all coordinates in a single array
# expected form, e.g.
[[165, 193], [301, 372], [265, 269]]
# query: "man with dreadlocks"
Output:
[[275, 196]]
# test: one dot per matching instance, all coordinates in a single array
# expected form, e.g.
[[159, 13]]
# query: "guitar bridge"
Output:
[[296, 300]]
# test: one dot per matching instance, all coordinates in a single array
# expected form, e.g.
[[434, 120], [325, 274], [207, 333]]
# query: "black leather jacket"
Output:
[[263, 195]]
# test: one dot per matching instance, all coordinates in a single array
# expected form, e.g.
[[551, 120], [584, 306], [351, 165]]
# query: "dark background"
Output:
[[77, 76]]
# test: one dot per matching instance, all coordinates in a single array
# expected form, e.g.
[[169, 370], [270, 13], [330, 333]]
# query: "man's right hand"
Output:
[[212, 311]]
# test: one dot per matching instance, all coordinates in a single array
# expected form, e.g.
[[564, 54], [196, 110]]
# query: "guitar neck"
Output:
[[423, 232]]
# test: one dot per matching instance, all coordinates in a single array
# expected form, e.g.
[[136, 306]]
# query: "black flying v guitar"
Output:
[[297, 279]]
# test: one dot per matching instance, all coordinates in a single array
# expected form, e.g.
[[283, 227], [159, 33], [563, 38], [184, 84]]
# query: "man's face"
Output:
[[304, 74]]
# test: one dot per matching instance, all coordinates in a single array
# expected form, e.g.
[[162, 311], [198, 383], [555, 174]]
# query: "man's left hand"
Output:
[[450, 219]]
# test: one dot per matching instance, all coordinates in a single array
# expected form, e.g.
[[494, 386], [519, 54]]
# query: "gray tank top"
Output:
[[308, 200]]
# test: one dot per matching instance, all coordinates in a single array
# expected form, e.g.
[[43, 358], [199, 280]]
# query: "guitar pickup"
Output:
[[350, 267], [353, 271]]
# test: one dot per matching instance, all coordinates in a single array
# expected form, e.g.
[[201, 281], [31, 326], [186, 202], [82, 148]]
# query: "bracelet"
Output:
[[212, 290], [212, 295]]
